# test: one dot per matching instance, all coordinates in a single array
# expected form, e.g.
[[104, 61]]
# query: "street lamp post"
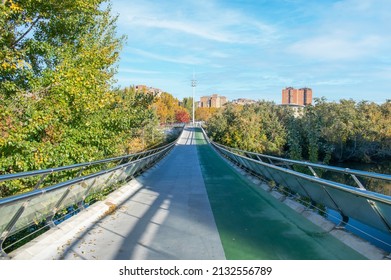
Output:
[[193, 85]]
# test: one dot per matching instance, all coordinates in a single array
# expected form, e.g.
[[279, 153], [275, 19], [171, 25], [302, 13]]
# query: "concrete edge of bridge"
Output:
[[355, 242], [53, 243]]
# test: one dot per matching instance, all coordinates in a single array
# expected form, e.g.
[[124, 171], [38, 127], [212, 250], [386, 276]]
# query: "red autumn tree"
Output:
[[182, 115]]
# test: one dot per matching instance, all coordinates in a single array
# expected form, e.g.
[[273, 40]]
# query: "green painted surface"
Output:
[[254, 225]]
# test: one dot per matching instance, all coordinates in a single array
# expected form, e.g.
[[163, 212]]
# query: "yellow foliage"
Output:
[[15, 7], [134, 145]]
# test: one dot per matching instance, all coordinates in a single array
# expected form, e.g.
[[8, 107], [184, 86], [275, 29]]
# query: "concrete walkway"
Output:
[[164, 214], [191, 205]]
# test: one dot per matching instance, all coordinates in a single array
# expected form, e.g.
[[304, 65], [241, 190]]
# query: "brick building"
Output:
[[147, 89], [213, 101], [302, 96], [243, 101]]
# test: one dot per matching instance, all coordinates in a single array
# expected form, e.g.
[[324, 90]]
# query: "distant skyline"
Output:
[[254, 49]]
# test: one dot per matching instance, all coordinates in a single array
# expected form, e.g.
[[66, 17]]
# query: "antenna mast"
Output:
[[193, 85]]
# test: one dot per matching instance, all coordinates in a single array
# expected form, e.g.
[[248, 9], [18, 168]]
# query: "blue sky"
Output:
[[255, 48]]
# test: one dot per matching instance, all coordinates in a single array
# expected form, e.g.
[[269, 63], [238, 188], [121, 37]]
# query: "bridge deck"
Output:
[[193, 205]]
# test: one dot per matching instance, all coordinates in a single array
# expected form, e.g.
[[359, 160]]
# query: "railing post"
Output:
[[49, 219], [17, 215], [86, 193], [312, 202], [361, 186], [270, 174], [287, 166], [40, 181], [313, 171], [376, 210], [12, 223], [80, 171]]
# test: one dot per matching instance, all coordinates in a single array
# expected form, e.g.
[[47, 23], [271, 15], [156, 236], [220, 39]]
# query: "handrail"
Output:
[[19, 175], [356, 191], [11, 199], [367, 174]]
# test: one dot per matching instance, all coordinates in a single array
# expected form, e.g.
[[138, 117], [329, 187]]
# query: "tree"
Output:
[[204, 113], [182, 115], [52, 46], [327, 131], [251, 127], [57, 66], [187, 103], [166, 105]]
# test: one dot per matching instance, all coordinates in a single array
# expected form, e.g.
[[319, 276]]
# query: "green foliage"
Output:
[[57, 105], [166, 106], [187, 103], [205, 113], [169, 110], [337, 131], [251, 127]]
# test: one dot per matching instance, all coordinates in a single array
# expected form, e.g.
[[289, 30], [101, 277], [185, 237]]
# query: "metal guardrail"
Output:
[[288, 163], [41, 205], [368, 207]]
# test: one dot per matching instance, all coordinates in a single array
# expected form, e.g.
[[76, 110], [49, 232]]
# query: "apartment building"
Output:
[[302, 96], [213, 101]]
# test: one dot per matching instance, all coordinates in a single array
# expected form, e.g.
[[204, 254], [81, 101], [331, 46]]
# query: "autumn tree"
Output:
[[182, 115], [166, 106], [204, 113], [56, 72]]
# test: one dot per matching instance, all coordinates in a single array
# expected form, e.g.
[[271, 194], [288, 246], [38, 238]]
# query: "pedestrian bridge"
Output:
[[195, 199]]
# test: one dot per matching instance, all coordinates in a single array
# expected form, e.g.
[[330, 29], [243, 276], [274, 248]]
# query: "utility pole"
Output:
[[193, 85]]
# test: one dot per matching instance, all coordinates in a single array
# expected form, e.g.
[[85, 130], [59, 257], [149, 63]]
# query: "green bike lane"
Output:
[[254, 225]]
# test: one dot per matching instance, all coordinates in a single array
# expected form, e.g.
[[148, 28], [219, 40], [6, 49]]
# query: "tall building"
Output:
[[204, 102], [302, 96], [213, 101]]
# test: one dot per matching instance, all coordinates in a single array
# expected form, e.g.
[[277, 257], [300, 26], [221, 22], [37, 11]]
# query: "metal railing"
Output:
[[288, 163], [371, 208], [42, 205]]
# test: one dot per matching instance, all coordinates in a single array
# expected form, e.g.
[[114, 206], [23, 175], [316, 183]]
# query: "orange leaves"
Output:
[[182, 115]]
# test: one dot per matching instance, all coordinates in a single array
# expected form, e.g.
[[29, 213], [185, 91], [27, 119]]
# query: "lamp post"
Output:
[[193, 85]]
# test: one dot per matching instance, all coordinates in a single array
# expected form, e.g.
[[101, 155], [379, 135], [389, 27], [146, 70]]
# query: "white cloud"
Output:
[[138, 71], [207, 20], [336, 47], [187, 59], [332, 46], [182, 26], [348, 30], [336, 82]]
